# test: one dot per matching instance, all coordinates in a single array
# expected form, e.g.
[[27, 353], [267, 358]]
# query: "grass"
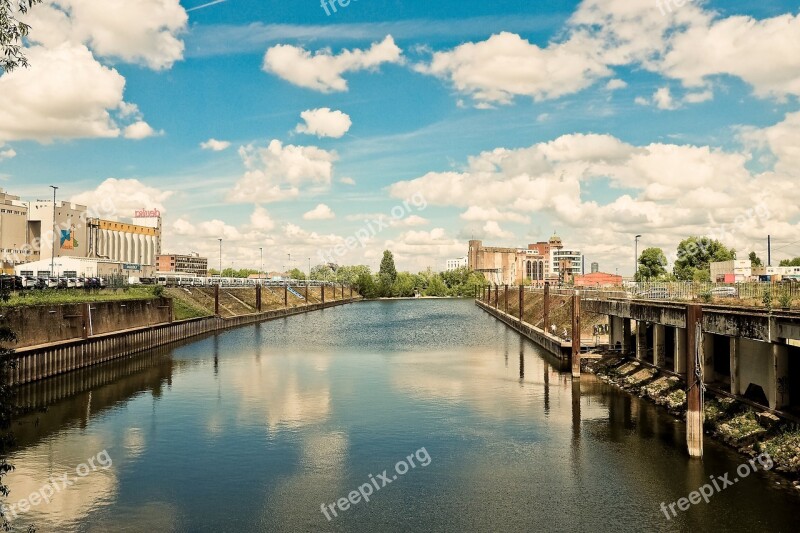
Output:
[[183, 310], [76, 296]]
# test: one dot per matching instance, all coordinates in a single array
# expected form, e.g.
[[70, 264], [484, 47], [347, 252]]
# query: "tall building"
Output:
[[187, 264], [455, 264], [566, 264], [595, 267], [127, 243], [13, 232]]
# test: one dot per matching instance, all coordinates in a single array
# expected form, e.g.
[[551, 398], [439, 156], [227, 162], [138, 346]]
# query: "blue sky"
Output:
[[502, 115]]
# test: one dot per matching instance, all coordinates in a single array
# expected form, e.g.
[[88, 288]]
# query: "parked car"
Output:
[[80, 282], [29, 282], [72, 283], [725, 292]]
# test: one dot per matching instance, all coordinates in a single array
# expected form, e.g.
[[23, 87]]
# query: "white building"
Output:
[[572, 258], [128, 243], [13, 231], [83, 267], [778, 271], [455, 264]]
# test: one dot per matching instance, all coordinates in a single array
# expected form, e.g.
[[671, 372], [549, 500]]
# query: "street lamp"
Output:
[[261, 268], [53, 257], [220, 257], [636, 256]]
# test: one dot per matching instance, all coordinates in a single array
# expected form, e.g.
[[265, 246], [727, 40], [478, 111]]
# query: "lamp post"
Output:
[[220, 257], [53, 250], [309, 269], [289, 267], [636, 256], [261, 268]]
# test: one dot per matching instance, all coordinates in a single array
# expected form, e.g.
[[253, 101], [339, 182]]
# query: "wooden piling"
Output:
[[694, 380], [286, 295], [216, 300], [521, 303], [546, 324], [258, 298], [576, 335]]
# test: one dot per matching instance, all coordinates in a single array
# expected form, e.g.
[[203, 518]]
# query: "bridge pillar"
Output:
[[778, 395], [659, 346], [736, 346], [641, 340], [694, 380], [627, 336], [680, 351]]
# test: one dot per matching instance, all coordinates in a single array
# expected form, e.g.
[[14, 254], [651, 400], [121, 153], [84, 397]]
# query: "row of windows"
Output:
[[12, 212]]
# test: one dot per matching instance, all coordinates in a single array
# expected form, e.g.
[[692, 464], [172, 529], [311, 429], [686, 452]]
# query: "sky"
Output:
[[331, 135]]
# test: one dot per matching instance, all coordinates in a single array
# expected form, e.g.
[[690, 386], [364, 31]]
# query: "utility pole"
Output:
[[53, 250], [636, 256]]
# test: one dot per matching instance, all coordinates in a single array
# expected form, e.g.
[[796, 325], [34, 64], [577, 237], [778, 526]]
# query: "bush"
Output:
[[706, 297], [785, 300], [158, 291], [767, 298]]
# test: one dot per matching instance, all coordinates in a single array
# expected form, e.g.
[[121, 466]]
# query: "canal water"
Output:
[[255, 429]]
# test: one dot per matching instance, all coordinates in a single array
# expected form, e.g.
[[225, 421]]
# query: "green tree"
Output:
[[365, 285], [652, 265], [791, 262], [323, 273], [387, 266], [404, 285], [754, 260], [350, 274], [694, 256], [12, 33], [436, 286], [296, 273]]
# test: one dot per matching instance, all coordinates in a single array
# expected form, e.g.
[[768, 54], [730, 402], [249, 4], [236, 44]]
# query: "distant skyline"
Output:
[[278, 125]]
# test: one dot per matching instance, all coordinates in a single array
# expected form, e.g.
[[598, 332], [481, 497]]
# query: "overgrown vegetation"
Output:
[[73, 296]]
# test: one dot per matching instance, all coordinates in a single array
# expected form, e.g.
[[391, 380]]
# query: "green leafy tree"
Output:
[[436, 286], [350, 274], [387, 266], [694, 256], [296, 273], [365, 285], [652, 265], [323, 273], [404, 285], [754, 260], [791, 262], [12, 33]]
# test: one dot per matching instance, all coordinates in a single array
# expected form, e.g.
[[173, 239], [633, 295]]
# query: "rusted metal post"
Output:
[[545, 325], [216, 300], [322, 291], [694, 380], [505, 296], [496, 296], [521, 303], [258, 298], [306, 293], [286, 295], [576, 335]]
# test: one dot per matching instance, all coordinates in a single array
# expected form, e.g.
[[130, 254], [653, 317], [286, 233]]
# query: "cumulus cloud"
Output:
[[6, 153], [324, 123], [478, 213], [140, 130], [615, 84], [65, 94], [214, 145], [321, 212], [121, 198], [261, 219], [323, 70], [279, 172], [506, 65], [145, 32]]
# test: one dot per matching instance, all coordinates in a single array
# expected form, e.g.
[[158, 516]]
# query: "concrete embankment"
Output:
[[554, 345], [45, 360]]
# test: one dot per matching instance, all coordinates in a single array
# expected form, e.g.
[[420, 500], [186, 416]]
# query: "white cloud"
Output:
[[278, 172], [65, 94], [615, 84], [261, 219], [121, 198], [662, 98], [140, 130], [8, 153], [505, 65], [347, 181], [321, 212], [324, 123], [699, 97], [135, 31], [410, 221], [214, 145], [322, 71], [482, 214], [493, 229]]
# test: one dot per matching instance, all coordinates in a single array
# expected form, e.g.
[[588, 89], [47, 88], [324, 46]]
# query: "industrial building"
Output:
[[120, 241], [186, 264], [539, 262], [13, 231]]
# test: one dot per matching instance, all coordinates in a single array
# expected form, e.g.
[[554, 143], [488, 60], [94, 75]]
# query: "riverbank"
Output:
[[739, 425]]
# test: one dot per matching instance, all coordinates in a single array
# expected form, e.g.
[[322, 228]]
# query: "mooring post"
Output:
[[216, 300], [322, 291], [258, 297], [307, 293], [521, 302], [694, 380], [286, 295], [496, 296], [505, 296], [545, 326], [576, 334]]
